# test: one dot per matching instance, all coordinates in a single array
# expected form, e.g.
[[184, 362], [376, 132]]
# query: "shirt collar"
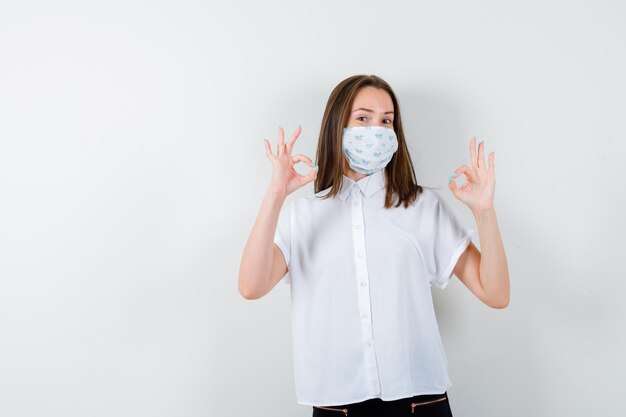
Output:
[[368, 185]]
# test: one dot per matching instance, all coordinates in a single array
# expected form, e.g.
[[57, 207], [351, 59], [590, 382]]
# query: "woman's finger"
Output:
[[492, 165], [481, 155], [453, 187], [456, 190], [473, 158], [268, 150], [305, 179], [301, 158], [280, 148], [464, 169], [293, 138]]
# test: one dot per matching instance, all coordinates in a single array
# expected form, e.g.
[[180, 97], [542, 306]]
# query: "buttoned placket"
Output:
[[362, 287]]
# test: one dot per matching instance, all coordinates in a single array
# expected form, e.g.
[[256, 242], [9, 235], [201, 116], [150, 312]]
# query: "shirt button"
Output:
[[364, 315], [369, 343], [355, 204], [357, 227], [359, 254], [363, 283]]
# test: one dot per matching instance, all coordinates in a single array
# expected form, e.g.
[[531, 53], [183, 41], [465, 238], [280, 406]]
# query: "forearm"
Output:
[[494, 271], [256, 262]]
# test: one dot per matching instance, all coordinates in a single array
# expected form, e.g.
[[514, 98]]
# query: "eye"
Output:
[[387, 121], [361, 117]]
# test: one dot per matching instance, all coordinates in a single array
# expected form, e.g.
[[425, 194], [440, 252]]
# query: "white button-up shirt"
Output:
[[360, 275]]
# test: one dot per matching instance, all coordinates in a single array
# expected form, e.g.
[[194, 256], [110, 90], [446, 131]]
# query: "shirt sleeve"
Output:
[[282, 237], [451, 238]]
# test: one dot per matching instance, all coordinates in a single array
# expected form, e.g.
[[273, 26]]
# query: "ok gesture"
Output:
[[285, 179], [478, 190]]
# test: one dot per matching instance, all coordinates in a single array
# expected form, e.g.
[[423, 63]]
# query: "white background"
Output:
[[132, 168]]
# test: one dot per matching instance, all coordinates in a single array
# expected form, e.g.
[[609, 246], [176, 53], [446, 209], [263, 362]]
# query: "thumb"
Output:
[[454, 188], [312, 175]]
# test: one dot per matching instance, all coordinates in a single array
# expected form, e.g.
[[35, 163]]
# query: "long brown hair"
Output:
[[400, 175]]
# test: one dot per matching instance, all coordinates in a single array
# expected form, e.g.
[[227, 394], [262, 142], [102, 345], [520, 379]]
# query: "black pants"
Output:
[[429, 405]]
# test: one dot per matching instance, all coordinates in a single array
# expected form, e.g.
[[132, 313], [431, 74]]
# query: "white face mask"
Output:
[[369, 148]]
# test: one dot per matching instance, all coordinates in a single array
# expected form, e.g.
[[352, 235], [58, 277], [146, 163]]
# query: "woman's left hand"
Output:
[[478, 191]]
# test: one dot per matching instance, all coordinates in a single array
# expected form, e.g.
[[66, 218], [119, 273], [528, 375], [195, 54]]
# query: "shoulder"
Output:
[[432, 204], [432, 194], [314, 198], [428, 199], [303, 201]]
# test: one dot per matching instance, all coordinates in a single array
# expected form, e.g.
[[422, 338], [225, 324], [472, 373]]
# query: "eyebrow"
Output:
[[371, 111]]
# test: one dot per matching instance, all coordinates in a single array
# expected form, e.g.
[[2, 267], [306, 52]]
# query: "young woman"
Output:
[[361, 254]]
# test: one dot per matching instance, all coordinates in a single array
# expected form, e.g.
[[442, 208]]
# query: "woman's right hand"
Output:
[[285, 179]]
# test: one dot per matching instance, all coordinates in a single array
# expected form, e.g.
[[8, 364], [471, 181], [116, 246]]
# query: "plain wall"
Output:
[[132, 168]]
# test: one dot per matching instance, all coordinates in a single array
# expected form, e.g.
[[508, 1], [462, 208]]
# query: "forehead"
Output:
[[373, 98]]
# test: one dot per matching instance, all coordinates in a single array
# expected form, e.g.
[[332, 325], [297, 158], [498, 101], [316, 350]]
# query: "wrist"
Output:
[[483, 210], [484, 214], [277, 195]]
